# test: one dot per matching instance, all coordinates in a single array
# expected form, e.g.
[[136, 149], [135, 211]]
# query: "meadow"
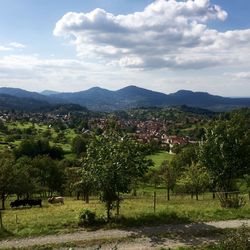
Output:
[[159, 157], [134, 211]]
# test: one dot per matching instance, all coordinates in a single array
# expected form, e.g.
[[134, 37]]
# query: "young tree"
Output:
[[168, 175], [113, 162], [194, 180]]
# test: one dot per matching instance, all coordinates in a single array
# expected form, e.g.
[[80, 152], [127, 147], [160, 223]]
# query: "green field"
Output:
[[159, 157], [134, 211]]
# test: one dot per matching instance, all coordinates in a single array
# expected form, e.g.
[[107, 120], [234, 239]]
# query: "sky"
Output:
[[162, 45]]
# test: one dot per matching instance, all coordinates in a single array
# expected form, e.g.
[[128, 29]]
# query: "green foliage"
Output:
[[113, 162], [49, 174], [87, 218], [194, 180], [79, 145], [185, 158], [168, 175], [228, 200], [225, 152], [236, 240], [7, 177], [33, 148]]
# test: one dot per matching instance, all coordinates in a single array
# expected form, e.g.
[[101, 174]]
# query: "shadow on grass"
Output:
[[4, 233], [149, 219]]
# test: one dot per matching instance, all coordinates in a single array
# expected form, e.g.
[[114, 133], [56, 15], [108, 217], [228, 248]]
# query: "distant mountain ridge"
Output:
[[99, 99]]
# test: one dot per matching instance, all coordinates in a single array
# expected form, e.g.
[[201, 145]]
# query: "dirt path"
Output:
[[134, 238]]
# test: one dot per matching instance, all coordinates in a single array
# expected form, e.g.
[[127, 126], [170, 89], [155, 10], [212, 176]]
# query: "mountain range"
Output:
[[99, 99]]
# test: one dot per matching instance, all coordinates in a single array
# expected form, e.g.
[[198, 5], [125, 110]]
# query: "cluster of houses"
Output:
[[145, 131]]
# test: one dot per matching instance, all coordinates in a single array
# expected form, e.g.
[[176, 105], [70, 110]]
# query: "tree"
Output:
[[225, 151], [49, 174], [7, 177], [85, 184], [25, 183], [168, 175], [113, 162], [79, 145], [33, 148], [194, 180]]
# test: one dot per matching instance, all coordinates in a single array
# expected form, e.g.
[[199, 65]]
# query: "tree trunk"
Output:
[[87, 197], [108, 210], [118, 205], [78, 196], [3, 201], [134, 192], [1, 220], [168, 193], [213, 195], [196, 195]]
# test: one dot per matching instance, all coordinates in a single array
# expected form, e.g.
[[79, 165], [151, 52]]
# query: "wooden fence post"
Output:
[[154, 201], [1, 220]]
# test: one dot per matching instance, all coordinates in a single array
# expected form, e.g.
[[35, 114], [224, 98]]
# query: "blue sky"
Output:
[[162, 45]]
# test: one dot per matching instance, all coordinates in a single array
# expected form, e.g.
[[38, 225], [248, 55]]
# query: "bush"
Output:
[[231, 201], [239, 240], [87, 218]]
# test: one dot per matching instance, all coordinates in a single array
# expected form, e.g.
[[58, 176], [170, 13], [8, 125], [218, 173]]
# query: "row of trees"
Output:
[[26, 176]]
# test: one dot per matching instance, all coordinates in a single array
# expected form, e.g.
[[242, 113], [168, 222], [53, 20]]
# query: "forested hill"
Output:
[[100, 99]]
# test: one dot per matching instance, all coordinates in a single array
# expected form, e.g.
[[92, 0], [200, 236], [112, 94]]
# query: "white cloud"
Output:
[[11, 46], [17, 45], [239, 75], [4, 48], [166, 34], [34, 72]]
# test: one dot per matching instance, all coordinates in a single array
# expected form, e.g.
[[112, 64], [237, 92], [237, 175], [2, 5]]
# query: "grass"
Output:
[[53, 219], [159, 157]]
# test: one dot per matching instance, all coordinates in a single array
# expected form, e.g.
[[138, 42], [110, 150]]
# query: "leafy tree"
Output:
[[113, 162], [225, 152], [7, 177], [25, 183], [33, 148], [194, 180], [153, 177], [79, 145], [49, 174], [85, 185], [168, 175]]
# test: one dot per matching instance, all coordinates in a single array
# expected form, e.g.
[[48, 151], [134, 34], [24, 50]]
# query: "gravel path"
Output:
[[143, 237]]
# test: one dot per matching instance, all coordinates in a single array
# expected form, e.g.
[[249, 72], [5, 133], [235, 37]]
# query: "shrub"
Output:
[[87, 218], [231, 201], [237, 240]]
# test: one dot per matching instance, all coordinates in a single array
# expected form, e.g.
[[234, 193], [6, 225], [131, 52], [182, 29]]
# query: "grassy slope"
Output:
[[159, 157], [60, 218]]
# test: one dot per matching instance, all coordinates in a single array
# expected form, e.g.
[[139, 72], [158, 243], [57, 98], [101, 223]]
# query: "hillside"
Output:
[[99, 99]]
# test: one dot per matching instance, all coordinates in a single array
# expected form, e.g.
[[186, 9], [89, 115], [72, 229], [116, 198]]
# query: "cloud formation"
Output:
[[11, 46], [240, 75], [166, 34]]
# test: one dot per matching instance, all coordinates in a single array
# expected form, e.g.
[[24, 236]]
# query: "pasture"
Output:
[[159, 157], [134, 211]]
